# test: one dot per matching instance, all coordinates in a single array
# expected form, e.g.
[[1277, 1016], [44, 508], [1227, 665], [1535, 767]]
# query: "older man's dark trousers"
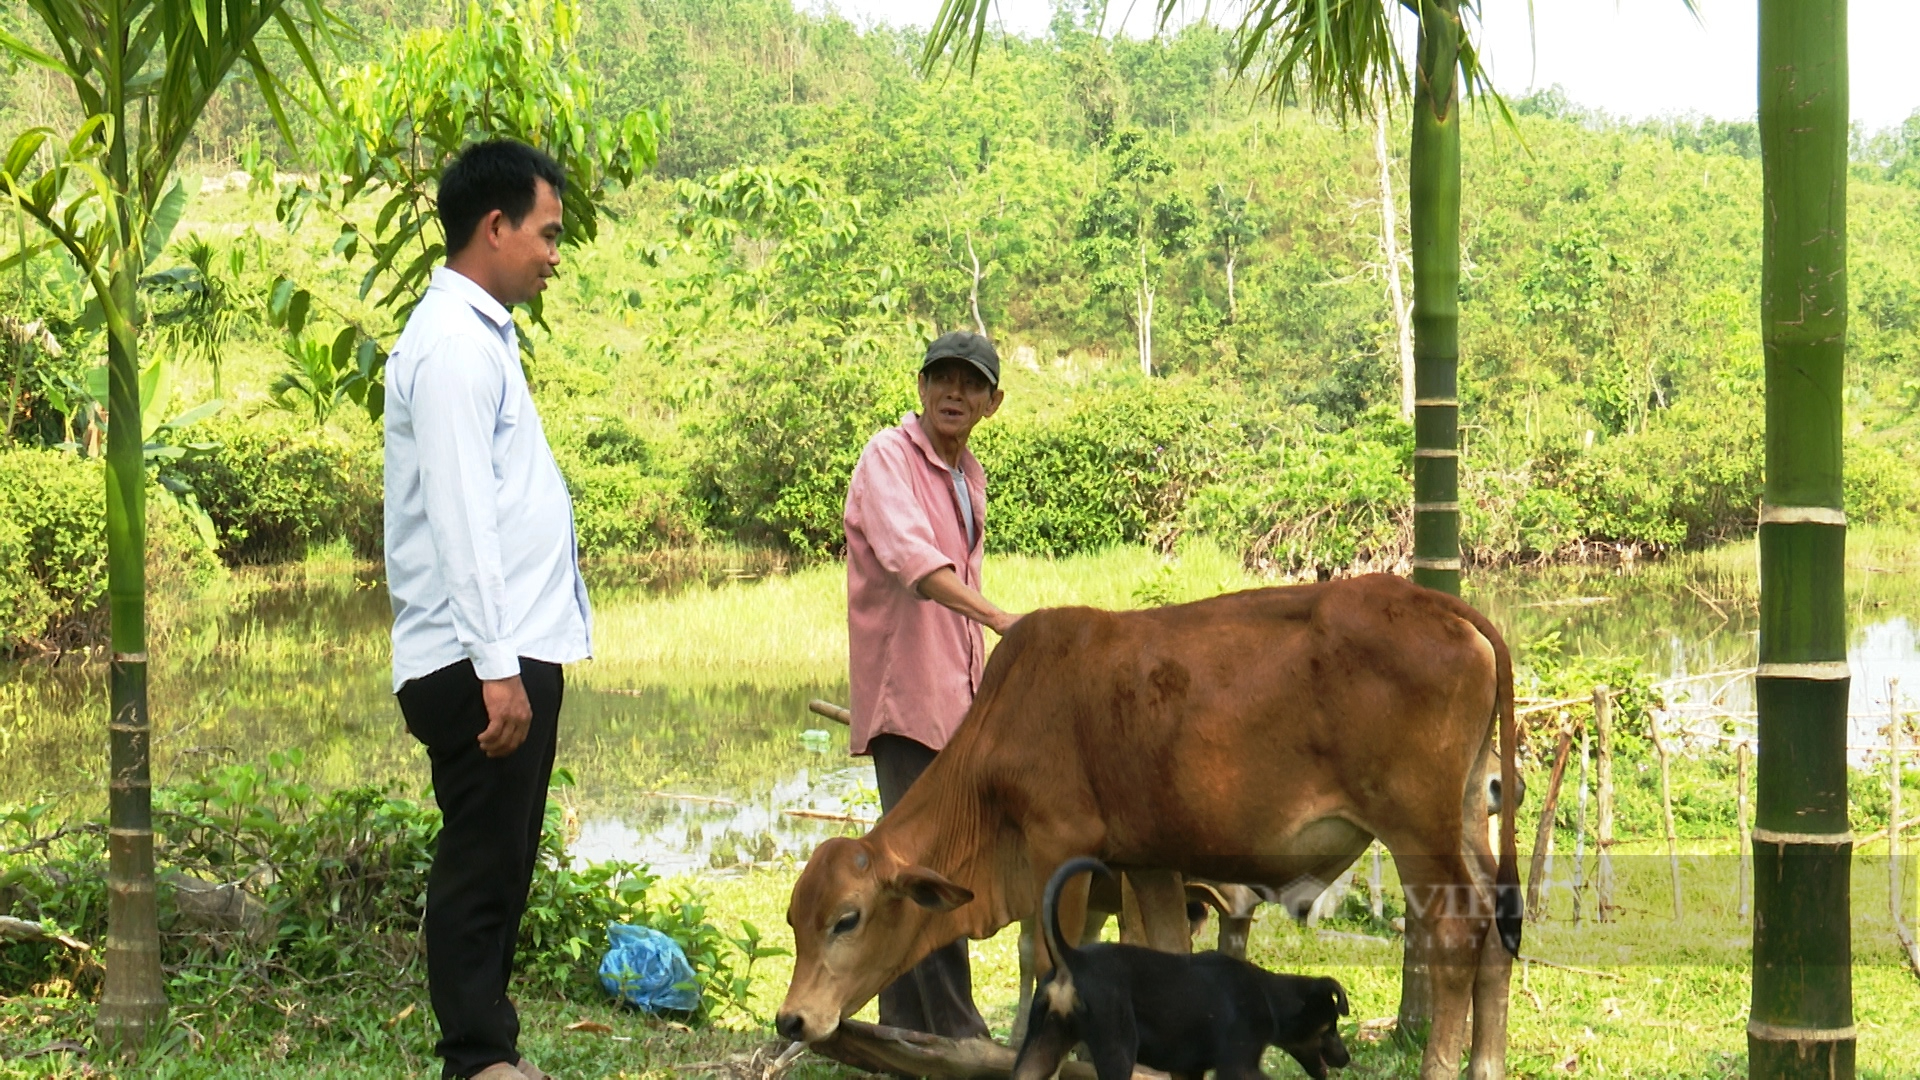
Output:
[[491, 811], [937, 995]]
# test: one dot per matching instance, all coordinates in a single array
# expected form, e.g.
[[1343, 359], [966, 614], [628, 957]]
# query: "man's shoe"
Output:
[[531, 1071], [499, 1070]]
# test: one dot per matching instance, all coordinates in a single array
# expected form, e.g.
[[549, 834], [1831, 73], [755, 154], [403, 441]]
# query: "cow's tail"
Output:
[[1060, 992]]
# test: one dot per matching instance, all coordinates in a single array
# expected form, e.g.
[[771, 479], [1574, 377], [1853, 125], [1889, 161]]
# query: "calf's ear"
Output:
[[928, 889]]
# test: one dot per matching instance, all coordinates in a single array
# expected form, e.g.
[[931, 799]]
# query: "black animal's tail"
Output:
[[1064, 954]]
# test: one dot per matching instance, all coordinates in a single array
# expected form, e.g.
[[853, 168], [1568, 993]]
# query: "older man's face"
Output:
[[954, 396]]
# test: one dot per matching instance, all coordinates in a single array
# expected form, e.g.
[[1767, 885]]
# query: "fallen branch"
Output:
[[20, 931], [47, 840], [1571, 968], [822, 815], [687, 798]]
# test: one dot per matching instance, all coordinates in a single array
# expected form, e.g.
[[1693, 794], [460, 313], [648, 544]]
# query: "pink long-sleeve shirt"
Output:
[[913, 664]]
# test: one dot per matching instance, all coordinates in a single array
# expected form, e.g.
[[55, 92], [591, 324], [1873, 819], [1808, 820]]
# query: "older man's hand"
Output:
[[508, 715]]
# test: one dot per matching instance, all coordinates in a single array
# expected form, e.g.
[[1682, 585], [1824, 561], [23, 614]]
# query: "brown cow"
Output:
[[1262, 737]]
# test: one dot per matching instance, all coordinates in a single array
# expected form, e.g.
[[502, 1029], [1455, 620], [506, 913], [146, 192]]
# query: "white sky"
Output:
[[1632, 58]]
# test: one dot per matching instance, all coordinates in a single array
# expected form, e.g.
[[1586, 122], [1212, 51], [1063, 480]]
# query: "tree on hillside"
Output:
[[1130, 226], [1231, 226], [142, 72], [1801, 1022], [500, 70]]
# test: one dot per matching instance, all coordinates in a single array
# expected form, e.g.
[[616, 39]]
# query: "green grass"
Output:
[[1657, 999], [792, 629]]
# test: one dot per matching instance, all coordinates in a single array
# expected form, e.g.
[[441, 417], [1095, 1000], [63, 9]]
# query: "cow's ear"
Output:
[[929, 889]]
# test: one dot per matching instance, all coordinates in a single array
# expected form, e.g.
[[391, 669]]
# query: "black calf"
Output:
[[1184, 1015]]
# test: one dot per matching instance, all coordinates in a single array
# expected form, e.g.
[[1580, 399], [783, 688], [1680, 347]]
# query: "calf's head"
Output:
[[861, 917]]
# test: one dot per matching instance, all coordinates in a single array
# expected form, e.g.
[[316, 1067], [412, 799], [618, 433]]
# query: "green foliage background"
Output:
[[752, 310]]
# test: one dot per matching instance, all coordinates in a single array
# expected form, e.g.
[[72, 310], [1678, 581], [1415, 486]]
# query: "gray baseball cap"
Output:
[[964, 345]]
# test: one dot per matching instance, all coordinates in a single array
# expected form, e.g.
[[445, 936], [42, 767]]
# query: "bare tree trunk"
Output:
[[1233, 304], [1390, 251], [1603, 791], [973, 297]]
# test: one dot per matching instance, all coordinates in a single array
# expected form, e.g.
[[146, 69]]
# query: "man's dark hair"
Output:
[[498, 174]]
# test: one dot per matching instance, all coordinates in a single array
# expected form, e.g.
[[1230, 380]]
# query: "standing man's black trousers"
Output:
[[937, 995], [492, 809]]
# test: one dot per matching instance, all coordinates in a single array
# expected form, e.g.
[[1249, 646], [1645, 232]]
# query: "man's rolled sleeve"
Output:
[[457, 393], [891, 518]]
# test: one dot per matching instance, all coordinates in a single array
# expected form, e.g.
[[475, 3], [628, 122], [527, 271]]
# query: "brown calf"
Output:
[[1261, 737]]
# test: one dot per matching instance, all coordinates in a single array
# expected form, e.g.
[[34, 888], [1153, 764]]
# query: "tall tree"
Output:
[[1129, 227], [1802, 1016], [142, 72]]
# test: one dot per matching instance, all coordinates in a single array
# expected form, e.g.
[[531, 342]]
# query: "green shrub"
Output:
[[626, 496], [786, 429], [275, 490], [1880, 485], [53, 548], [1117, 467], [1326, 500], [336, 884]]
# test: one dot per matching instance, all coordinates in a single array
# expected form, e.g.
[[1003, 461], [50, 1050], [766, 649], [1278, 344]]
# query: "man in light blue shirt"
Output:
[[484, 575]]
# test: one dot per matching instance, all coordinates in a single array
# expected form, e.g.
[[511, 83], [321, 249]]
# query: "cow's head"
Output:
[[858, 916]]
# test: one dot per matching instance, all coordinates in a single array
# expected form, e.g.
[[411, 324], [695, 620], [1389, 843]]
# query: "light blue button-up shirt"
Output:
[[482, 564]]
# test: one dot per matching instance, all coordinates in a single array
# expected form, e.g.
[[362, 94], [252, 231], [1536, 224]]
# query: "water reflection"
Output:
[[297, 657]]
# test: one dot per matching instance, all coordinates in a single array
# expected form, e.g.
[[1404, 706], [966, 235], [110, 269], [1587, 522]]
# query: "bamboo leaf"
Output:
[[21, 153], [24, 51], [166, 217]]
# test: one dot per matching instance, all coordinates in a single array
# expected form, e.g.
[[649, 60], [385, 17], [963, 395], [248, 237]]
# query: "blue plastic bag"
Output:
[[646, 968]]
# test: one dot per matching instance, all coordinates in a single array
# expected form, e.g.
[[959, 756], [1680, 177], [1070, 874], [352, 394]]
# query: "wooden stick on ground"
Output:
[[1666, 806], [1580, 834], [1894, 854], [1603, 784], [836, 713], [1543, 836]]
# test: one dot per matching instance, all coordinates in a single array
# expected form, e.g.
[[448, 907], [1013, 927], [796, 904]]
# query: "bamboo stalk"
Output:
[[1580, 833], [1743, 886], [1433, 212], [1543, 835], [133, 1000], [1666, 807], [1801, 1021], [1603, 791]]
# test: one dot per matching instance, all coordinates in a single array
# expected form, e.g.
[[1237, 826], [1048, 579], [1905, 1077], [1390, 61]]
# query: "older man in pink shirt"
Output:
[[916, 522]]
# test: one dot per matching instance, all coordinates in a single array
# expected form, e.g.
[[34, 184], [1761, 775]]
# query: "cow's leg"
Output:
[[1495, 970], [1234, 931], [1156, 902], [1490, 997], [1447, 920], [1028, 927]]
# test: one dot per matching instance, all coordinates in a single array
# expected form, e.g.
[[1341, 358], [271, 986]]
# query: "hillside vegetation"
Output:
[[714, 362]]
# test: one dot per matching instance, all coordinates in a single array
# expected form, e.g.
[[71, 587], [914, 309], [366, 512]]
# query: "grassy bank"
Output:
[[1653, 998]]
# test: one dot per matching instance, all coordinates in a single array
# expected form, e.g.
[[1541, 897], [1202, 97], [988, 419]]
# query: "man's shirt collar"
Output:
[[464, 287]]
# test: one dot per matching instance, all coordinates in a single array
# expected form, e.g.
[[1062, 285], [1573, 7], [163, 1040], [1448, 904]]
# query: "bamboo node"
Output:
[[1429, 452], [129, 658], [1781, 1033], [1769, 836], [1822, 670], [1436, 508], [1436, 403], [1421, 562], [1801, 515]]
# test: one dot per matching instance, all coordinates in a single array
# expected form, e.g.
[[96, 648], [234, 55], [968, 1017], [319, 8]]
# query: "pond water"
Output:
[[702, 774]]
